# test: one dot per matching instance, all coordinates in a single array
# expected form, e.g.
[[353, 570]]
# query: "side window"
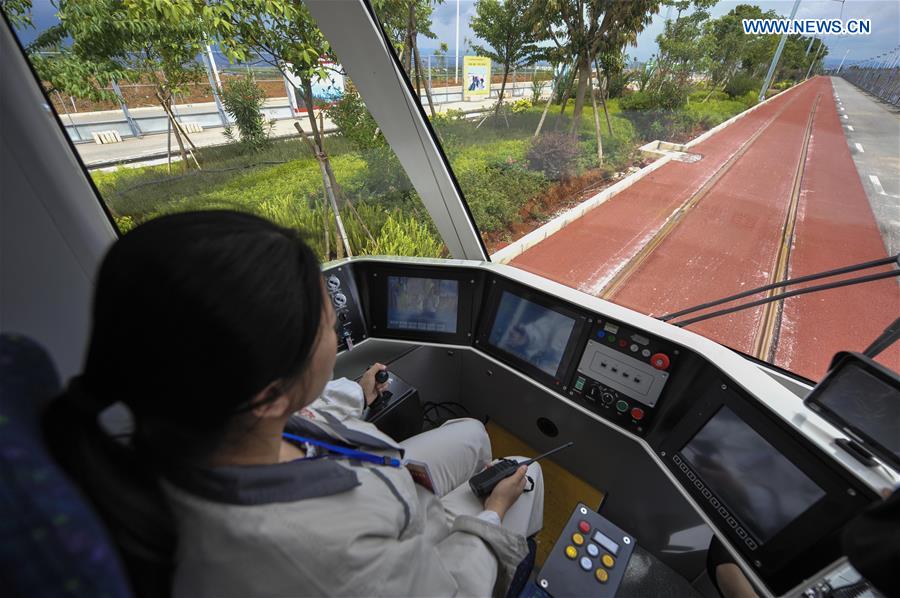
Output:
[[243, 105]]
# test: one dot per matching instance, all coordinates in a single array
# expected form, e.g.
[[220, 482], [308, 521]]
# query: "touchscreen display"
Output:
[[865, 402], [422, 304], [531, 332], [756, 482]]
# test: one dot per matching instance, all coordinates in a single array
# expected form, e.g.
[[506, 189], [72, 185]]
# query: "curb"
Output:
[[516, 248]]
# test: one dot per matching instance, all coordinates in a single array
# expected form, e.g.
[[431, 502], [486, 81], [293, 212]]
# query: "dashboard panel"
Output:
[[776, 497]]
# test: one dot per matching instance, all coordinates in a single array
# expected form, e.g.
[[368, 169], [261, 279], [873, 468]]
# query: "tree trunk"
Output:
[[597, 125], [418, 75], [604, 95], [329, 191], [584, 80], [502, 88], [325, 168], [564, 101], [172, 122]]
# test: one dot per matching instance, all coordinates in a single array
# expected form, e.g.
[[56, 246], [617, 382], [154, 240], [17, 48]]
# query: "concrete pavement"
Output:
[[154, 146], [872, 129]]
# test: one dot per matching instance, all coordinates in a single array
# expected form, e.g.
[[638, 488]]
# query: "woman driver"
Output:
[[215, 331]]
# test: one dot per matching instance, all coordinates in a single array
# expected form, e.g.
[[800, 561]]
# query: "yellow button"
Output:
[[601, 575], [608, 561], [571, 552], [578, 539]]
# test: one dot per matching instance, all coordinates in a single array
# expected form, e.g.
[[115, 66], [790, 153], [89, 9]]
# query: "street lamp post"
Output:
[[768, 81]]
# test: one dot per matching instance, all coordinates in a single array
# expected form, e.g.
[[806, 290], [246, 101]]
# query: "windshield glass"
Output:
[[644, 153], [176, 106], [657, 154]]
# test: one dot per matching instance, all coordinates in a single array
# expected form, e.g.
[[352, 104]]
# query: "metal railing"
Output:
[[879, 75], [438, 74], [883, 83]]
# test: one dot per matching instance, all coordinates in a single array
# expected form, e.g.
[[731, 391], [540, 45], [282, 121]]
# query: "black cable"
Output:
[[784, 283], [885, 340], [813, 289]]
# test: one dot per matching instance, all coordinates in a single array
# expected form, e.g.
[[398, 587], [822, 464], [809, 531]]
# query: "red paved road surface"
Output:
[[728, 242]]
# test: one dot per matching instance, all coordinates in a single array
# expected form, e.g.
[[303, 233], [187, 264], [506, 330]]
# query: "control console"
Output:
[[622, 373], [341, 288], [588, 559]]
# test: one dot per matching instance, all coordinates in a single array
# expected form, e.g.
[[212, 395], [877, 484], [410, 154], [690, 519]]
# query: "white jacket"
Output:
[[328, 527]]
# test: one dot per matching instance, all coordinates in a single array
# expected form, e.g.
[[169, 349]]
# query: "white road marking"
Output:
[[859, 148], [849, 127], [877, 184]]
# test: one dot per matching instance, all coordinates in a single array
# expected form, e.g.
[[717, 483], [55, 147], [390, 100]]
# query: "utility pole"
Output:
[[842, 62], [456, 76], [784, 36], [212, 73], [815, 58], [135, 130]]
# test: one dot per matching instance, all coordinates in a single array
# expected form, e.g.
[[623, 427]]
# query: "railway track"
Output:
[[765, 339]]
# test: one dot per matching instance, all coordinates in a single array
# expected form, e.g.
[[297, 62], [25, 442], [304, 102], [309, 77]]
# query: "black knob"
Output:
[[382, 376]]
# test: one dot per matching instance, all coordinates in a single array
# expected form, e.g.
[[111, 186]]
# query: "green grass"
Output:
[[283, 182]]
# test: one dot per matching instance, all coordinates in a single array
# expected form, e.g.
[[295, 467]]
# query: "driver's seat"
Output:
[[51, 543]]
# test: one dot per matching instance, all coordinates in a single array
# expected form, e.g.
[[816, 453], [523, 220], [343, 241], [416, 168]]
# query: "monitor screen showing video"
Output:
[[531, 332], [422, 304], [867, 403], [755, 481]]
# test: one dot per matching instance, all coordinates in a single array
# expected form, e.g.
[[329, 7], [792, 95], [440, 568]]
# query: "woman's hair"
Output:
[[194, 314]]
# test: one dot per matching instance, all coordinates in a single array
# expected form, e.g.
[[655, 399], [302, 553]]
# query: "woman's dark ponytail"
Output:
[[194, 314]]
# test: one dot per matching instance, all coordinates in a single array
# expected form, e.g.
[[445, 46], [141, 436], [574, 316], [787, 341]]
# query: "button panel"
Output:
[[622, 374], [341, 288], [589, 559]]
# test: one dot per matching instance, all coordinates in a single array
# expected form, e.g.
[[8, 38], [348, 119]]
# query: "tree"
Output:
[[284, 34], [680, 51], [730, 51], [404, 21], [508, 28], [18, 12], [99, 42], [582, 27]]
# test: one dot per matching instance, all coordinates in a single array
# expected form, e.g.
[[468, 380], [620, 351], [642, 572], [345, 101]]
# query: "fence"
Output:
[[139, 113], [883, 83]]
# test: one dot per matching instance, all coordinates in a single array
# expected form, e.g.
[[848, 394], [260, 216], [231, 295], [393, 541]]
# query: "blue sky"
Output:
[[885, 16]]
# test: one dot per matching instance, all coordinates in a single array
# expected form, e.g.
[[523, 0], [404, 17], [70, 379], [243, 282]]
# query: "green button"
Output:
[[579, 383], [611, 338], [622, 406]]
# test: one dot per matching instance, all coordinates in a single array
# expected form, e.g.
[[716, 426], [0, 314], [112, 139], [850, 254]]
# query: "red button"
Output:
[[660, 361], [584, 526], [623, 343], [637, 413]]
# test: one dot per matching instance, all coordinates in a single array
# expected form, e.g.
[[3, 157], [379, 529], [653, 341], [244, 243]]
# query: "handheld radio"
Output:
[[483, 483]]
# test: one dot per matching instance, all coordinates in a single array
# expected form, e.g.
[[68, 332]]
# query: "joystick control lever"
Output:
[[384, 396]]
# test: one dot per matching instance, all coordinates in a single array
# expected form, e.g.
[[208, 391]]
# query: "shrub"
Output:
[[124, 223], [538, 83], [520, 106], [352, 118], [402, 235], [243, 99], [639, 101], [554, 154], [741, 83]]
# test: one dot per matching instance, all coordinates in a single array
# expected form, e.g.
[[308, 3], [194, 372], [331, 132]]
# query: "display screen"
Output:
[[422, 304], [531, 332], [865, 402], [756, 482]]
